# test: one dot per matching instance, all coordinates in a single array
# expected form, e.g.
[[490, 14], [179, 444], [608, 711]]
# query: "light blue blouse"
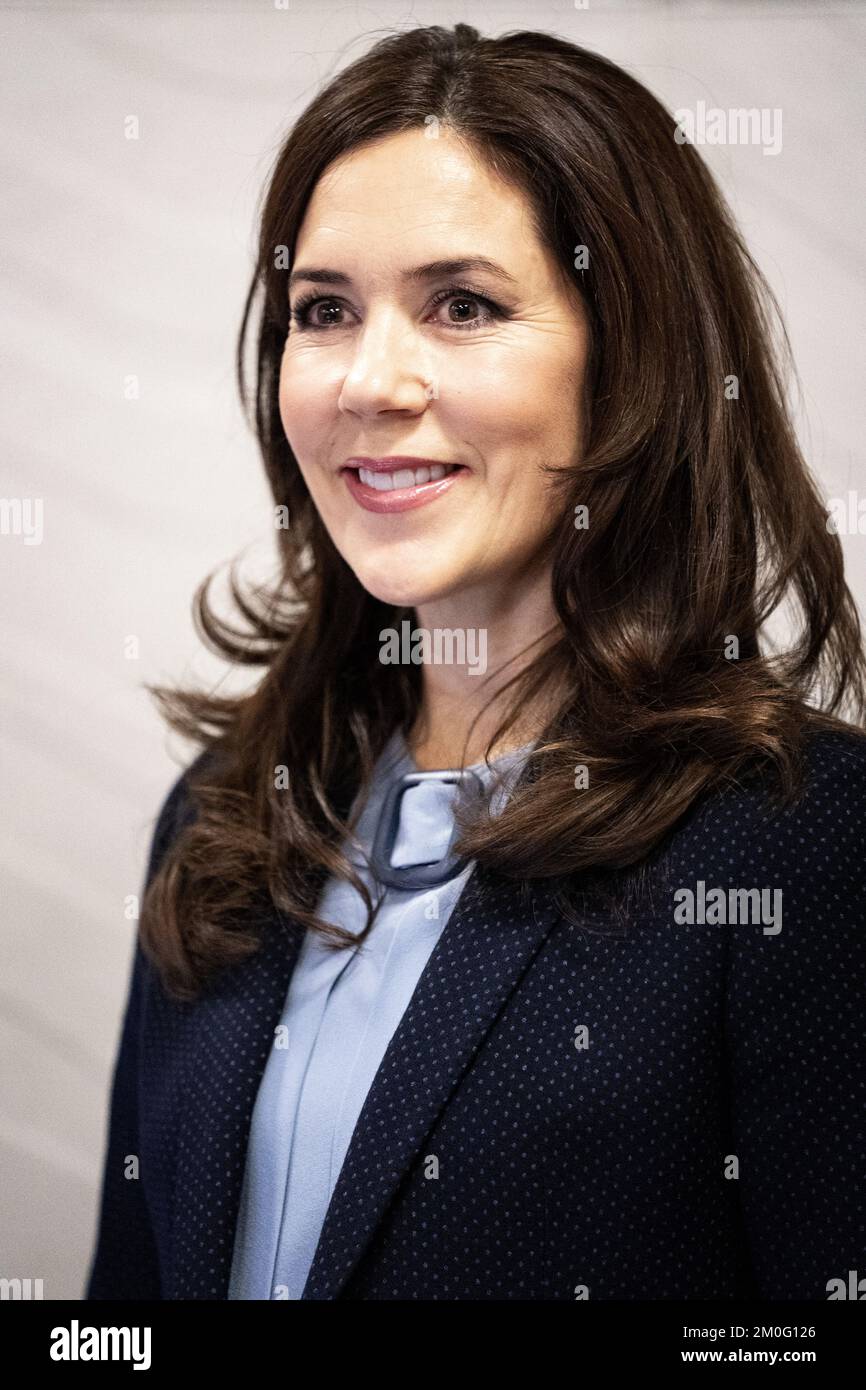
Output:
[[341, 1010]]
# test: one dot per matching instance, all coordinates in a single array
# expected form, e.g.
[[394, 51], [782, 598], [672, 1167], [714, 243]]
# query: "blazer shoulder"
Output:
[[818, 841], [741, 820], [834, 776], [836, 751], [833, 767]]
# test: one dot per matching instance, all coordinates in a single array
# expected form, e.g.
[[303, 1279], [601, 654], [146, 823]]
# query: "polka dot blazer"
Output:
[[669, 1106]]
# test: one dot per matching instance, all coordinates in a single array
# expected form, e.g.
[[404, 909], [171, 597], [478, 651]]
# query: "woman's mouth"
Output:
[[404, 477], [400, 488]]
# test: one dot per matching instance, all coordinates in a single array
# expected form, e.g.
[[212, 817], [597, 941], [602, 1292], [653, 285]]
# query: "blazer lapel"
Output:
[[489, 941]]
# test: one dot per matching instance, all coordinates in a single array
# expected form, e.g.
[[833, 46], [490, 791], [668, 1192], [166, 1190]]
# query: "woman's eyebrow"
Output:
[[432, 270]]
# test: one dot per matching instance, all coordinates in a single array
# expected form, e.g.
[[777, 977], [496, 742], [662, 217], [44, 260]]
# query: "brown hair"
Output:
[[704, 517]]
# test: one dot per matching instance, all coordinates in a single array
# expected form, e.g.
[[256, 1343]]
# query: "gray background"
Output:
[[131, 258]]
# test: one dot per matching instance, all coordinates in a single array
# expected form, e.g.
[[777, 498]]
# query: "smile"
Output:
[[404, 477], [401, 488]]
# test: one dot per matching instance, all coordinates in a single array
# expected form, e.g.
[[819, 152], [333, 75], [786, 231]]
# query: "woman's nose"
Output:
[[391, 368]]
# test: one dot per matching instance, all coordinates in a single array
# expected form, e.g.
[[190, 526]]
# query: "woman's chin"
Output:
[[402, 590]]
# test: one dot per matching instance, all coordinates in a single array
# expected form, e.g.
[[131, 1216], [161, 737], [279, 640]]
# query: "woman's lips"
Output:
[[399, 499]]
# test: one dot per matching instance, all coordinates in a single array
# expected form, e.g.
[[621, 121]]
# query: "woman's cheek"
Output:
[[306, 416]]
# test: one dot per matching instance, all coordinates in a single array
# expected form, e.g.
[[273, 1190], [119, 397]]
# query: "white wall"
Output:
[[130, 257]]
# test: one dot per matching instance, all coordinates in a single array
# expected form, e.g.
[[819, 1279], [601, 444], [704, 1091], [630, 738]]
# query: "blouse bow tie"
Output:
[[412, 844]]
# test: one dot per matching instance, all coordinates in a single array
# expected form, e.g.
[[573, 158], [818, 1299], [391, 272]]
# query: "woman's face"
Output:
[[393, 359]]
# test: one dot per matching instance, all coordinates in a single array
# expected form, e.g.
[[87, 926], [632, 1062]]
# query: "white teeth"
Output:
[[404, 477]]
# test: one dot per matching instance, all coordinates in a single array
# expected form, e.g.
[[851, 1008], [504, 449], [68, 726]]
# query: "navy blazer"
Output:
[[702, 1138]]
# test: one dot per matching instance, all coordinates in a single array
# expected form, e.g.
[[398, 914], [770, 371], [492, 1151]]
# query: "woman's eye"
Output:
[[463, 300], [467, 311], [300, 314]]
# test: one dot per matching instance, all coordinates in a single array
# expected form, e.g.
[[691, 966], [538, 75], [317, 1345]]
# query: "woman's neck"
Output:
[[461, 706]]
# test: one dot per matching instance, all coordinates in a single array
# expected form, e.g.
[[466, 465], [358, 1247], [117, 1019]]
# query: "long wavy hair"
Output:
[[704, 518]]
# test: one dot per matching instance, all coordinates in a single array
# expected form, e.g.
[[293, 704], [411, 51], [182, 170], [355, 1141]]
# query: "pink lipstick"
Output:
[[399, 482]]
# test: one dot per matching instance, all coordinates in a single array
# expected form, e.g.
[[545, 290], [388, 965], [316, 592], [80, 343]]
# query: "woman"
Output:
[[577, 1015]]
